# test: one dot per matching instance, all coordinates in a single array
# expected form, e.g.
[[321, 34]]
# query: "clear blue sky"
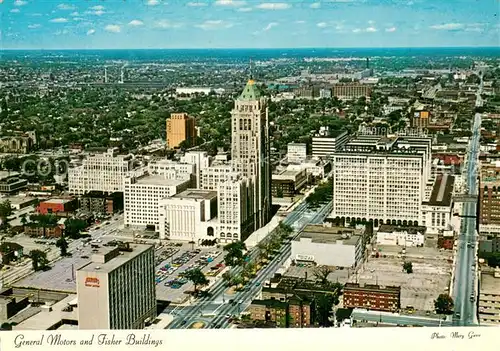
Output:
[[115, 24]]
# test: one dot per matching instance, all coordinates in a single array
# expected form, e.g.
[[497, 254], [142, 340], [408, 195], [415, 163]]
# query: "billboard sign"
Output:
[[92, 282], [300, 257]]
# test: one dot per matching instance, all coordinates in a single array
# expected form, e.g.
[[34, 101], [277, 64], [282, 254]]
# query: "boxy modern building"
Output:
[[117, 289]]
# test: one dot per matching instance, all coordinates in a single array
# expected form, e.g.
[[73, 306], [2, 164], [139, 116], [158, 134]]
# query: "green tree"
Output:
[[63, 245], [73, 227], [23, 219], [324, 308], [38, 259], [408, 267], [197, 277], [321, 274], [444, 304], [5, 210], [234, 254]]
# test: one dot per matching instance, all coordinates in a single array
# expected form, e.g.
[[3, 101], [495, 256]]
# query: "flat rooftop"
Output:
[[57, 201], [46, 319], [387, 228], [442, 191], [158, 179], [490, 284], [113, 263], [6, 174], [196, 194], [330, 235]]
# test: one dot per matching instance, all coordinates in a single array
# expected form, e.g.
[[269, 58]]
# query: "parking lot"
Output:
[[431, 274], [338, 275], [173, 260], [62, 275]]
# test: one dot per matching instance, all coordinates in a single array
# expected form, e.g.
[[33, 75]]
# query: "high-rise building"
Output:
[[325, 144], [200, 159], [116, 290], [142, 195], [250, 150], [100, 172], [180, 127], [382, 179]]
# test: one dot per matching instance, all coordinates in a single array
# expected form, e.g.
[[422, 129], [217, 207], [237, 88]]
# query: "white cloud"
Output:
[[371, 22], [322, 24], [371, 30], [136, 23], [219, 24], [153, 2], [244, 9], [113, 28], [196, 4], [20, 3], [447, 26], [66, 7], [270, 26], [391, 29], [90, 31], [235, 3], [300, 22], [316, 5], [15, 10], [74, 14], [97, 8], [99, 13], [356, 30], [34, 26], [59, 20], [343, 0], [273, 6], [166, 24], [77, 19]]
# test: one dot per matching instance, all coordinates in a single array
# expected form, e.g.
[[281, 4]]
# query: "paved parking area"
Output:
[[431, 274], [173, 260], [339, 275], [63, 273]]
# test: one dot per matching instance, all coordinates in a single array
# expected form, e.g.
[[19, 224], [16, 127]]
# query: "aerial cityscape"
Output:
[[245, 164]]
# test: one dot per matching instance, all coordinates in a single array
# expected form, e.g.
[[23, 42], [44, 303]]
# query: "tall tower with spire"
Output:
[[250, 151]]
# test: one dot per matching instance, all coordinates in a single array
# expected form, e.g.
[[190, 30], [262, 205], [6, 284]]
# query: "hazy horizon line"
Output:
[[261, 48]]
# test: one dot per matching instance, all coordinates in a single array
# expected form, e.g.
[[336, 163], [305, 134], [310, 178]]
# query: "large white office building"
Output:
[[172, 169], [381, 179], [100, 172], [212, 177], [142, 195], [188, 216], [116, 290], [327, 143], [234, 216], [200, 159]]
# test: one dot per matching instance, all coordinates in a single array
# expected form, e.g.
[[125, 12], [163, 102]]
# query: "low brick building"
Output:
[[372, 297], [48, 231], [59, 207], [270, 311]]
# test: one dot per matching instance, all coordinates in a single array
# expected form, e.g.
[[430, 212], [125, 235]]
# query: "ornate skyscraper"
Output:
[[250, 151]]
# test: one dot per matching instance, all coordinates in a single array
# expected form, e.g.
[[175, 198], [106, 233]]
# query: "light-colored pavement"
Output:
[[187, 315], [465, 274]]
